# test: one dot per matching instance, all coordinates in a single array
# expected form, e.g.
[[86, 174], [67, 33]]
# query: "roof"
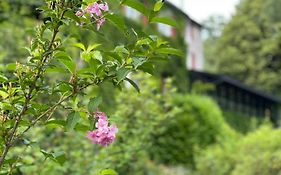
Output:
[[218, 79], [172, 6]]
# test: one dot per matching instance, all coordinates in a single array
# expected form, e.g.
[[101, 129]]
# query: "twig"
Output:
[[12, 139]]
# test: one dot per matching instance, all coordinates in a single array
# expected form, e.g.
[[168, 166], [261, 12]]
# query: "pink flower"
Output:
[[112, 131], [100, 23], [101, 123], [94, 9], [104, 134], [104, 7], [100, 115]]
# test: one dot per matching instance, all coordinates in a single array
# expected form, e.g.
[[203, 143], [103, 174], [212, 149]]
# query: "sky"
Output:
[[200, 10]]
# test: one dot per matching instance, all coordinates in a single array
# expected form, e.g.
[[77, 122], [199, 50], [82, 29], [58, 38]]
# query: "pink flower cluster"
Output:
[[104, 134], [95, 10]]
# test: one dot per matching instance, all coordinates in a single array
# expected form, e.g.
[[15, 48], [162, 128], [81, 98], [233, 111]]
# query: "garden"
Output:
[[85, 90]]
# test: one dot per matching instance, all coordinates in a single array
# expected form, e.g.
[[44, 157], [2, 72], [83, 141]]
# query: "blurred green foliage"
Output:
[[170, 128], [54, 77], [137, 117], [258, 153], [17, 20], [198, 123], [242, 123]]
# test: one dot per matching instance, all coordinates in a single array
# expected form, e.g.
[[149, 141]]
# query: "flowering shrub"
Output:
[[52, 79]]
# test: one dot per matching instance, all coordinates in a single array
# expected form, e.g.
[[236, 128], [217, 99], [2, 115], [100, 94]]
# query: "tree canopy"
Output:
[[249, 46]]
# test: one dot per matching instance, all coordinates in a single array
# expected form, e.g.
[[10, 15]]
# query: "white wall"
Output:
[[195, 57]]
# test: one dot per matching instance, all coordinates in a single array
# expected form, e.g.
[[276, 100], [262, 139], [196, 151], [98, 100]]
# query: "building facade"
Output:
[[188, 29]]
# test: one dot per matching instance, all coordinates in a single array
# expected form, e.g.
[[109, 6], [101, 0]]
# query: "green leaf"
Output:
[[158, 5], [92, 47], [97, 55], [65, 87], [122, 73], [46, 154], [55, 123], [133, 84], [91, 122], [71, 15], [121, 49], [170, 51], [114, 56], [81, 128], [80, 45], [138, 61], [108, 172], [86, 56], [94, 104], [147, 67], [66, 60], [94, 64], [3, 94], [59, 157], [11, 66], [85, 72], [3, 78], [164, 20], [137, 5], [72, 120], [7, 106], [62, 55], [117, 20], [24, 123], [69, 65], [54, 69], [144, 41]]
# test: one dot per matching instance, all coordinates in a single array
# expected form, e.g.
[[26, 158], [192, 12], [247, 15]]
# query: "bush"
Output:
[[259, 153], [242, 123], [198, 123], [137, 117], [171, 128]]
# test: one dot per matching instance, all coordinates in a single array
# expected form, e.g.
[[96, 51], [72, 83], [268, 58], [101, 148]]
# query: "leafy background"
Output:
[[160, 133]]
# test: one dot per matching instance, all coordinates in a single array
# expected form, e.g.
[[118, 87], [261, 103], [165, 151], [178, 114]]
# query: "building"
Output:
[[230, 94], [193, 39], [188, 29]]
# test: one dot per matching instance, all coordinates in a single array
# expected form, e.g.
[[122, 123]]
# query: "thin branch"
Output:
[[50, 111], [12, 139]]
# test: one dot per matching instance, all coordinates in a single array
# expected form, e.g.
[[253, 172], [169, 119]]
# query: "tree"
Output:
[[249, 47], [213, 28]]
